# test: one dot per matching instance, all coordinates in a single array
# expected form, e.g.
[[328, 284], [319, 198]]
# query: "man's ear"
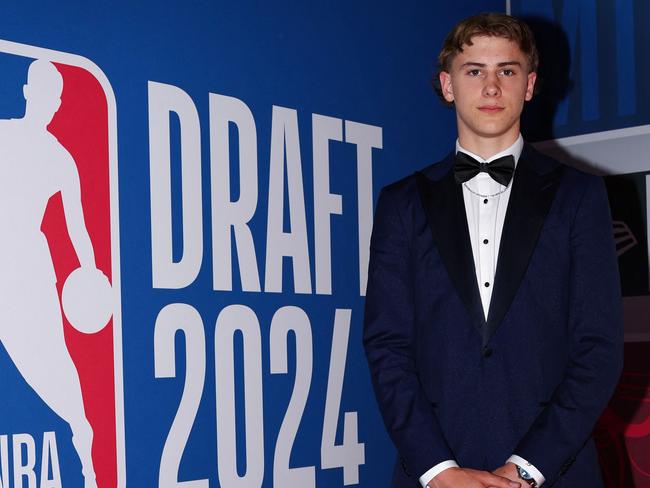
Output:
[[445, 86], [530, 87]]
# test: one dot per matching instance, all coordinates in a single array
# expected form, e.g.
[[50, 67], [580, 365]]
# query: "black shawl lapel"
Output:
[[445, 209], [534, 187]]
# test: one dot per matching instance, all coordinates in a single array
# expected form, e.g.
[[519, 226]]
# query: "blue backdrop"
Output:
[[338, 87]]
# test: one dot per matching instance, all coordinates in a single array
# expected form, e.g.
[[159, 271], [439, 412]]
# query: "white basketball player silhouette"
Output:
[[34, 166]]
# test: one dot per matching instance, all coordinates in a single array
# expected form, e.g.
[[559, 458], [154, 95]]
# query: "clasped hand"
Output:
[[472, 478]]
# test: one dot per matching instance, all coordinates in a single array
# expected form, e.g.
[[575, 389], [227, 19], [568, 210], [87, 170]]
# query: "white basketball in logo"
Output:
[[87, 300]]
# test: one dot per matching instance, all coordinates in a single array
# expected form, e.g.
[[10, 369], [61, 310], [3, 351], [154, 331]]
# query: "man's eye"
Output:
[[474, 72], [507, 72]]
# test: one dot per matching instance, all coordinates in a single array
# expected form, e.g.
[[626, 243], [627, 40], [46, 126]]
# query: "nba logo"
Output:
[[60, 324]]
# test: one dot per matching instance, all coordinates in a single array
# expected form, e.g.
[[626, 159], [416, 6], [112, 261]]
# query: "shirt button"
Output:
[[486, 284], [485, 201], [485, 241]]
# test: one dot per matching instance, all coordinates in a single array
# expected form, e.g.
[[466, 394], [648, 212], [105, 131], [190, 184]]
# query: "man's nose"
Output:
[[492, 88]]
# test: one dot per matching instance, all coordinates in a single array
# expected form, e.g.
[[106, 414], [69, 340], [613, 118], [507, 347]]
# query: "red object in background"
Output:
[[81, 126], [623, 432]]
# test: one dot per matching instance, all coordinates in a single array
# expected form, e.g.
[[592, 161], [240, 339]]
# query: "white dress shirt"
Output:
[[486, 202]]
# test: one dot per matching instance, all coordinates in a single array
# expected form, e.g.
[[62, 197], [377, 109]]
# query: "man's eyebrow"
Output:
[[474, 64]]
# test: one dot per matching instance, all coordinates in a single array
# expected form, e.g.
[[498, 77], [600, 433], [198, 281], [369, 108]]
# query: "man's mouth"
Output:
[[491, 109]]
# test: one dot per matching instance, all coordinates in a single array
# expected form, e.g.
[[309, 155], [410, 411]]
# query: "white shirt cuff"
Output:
[[530, 469], [435, 471]]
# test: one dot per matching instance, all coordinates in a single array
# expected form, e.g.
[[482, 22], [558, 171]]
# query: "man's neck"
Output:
[[487, 147]]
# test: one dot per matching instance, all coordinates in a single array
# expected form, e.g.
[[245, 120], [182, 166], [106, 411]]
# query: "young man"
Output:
[[493, 320]]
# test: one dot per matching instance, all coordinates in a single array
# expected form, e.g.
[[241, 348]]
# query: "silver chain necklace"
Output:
[[481, 195]]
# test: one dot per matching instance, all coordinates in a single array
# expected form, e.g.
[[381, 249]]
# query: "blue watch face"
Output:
[[523, 473]]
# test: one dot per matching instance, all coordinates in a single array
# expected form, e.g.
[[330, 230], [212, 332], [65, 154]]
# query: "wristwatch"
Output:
[[526, 477]]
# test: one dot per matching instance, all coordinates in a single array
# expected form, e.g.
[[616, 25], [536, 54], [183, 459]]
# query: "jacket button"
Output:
[[487, 352]]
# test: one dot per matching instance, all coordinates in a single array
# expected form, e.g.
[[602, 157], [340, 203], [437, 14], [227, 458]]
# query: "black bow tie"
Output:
[[500, 170]]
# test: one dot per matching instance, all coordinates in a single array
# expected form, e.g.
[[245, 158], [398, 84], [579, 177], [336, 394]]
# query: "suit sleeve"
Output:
[[388, 341], [596, 334]]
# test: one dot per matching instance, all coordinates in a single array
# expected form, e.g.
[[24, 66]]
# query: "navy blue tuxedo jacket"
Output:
[[530, 380]]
